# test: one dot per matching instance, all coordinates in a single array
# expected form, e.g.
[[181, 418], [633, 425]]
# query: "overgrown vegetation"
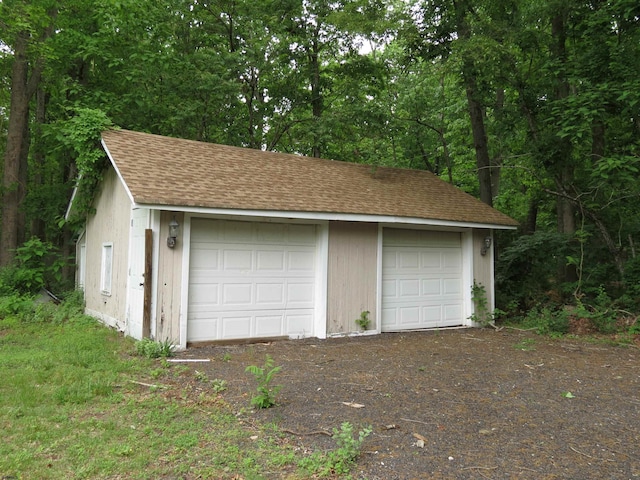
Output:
[[75, 404], [265, 396], [36, 265], [340, 460], [482, 314], [150, 348]]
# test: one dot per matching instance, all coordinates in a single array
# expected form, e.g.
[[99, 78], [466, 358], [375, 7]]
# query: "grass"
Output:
[[72, 405]]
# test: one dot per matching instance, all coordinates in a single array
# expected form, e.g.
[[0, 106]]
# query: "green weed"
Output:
[[266, 393], [340, 460], [151, 349]]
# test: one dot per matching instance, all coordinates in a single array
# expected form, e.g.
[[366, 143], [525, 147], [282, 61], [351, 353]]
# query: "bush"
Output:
[[35, 266], [527, 268]]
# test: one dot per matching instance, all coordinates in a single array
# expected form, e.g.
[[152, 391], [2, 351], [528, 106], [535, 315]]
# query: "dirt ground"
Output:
[[455, 404]]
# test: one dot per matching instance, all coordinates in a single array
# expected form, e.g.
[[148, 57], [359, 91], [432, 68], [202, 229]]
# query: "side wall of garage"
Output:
[[352, 276], [107, 253], [169, 281], [483, 265]]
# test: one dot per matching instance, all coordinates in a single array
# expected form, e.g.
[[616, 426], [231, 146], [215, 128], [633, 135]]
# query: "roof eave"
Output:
[[325, 216]]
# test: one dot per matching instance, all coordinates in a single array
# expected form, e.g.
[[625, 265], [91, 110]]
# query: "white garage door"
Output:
[[250, 280], [421, 280]]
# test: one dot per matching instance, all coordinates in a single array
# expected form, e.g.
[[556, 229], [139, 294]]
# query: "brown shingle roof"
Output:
[[184, 173]]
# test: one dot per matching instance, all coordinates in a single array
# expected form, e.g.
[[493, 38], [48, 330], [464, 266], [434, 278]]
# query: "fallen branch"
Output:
[[418, 421], [478, 468], [150, 385], [589, 456], [188, 360], [315, 432]]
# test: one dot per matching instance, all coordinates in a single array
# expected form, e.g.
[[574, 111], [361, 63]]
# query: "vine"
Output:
[[482, 313], [82, 134]]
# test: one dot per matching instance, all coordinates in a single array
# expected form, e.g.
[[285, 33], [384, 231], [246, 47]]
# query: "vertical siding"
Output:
[[110, 223], [483, 264], [352, 274], [169, 280]]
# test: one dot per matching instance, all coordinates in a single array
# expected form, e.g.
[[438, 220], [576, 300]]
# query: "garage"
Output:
[[422, 281], [250, 280]]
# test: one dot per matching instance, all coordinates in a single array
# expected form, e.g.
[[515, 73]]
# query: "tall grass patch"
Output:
[[76, 402]]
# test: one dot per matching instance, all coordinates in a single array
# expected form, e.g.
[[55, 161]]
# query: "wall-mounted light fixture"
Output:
[[486, 245], [174, 227]]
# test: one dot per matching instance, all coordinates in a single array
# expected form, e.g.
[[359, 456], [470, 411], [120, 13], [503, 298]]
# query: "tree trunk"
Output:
[[476, 109], [18, 125], [561, 160], [23, 87], [38, 223], [317, 106]]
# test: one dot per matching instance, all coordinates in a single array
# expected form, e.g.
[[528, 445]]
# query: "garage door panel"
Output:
[[431, 287], [237, 294], [452, 261], [268, 325], [236, 326], [452, 286], [237, 232], [269, 294], [270, 261], [408, 288], [302, 262], [431, 261], [234, 260], [204, 258], [408, 260], [301, 235], [250, 280], [300, 294], [269, 233], [299, 322], [431, 315], [452, 312], [409, 316], [201, 325]]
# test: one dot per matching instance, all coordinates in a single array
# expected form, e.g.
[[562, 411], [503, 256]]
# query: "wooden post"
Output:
[[146, 309]]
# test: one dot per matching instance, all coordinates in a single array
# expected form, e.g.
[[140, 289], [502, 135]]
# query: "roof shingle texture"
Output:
[[184, 173]]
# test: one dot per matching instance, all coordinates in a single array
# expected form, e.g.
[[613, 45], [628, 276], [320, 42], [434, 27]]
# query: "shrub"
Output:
[[35, 265], [149, 348]]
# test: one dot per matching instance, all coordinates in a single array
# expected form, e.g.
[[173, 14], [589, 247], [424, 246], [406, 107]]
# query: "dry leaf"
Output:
[[353, 404], [420, 437]]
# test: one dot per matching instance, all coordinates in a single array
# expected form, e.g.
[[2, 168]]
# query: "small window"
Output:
[[106, 270]]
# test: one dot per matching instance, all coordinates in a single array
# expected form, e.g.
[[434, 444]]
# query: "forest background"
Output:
[[533, 106]]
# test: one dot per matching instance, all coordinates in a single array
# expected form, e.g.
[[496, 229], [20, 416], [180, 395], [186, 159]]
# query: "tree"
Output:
[[25, 29]]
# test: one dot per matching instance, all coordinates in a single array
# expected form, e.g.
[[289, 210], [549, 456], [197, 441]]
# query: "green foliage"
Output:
[[364, 320], [526, 269], [218, 385], [266, 393], [150, 348], [65, 387], [81, 135], [36, 265], [601, 313], [341, 460], [15, 305], [547, 321], [482, 314]]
